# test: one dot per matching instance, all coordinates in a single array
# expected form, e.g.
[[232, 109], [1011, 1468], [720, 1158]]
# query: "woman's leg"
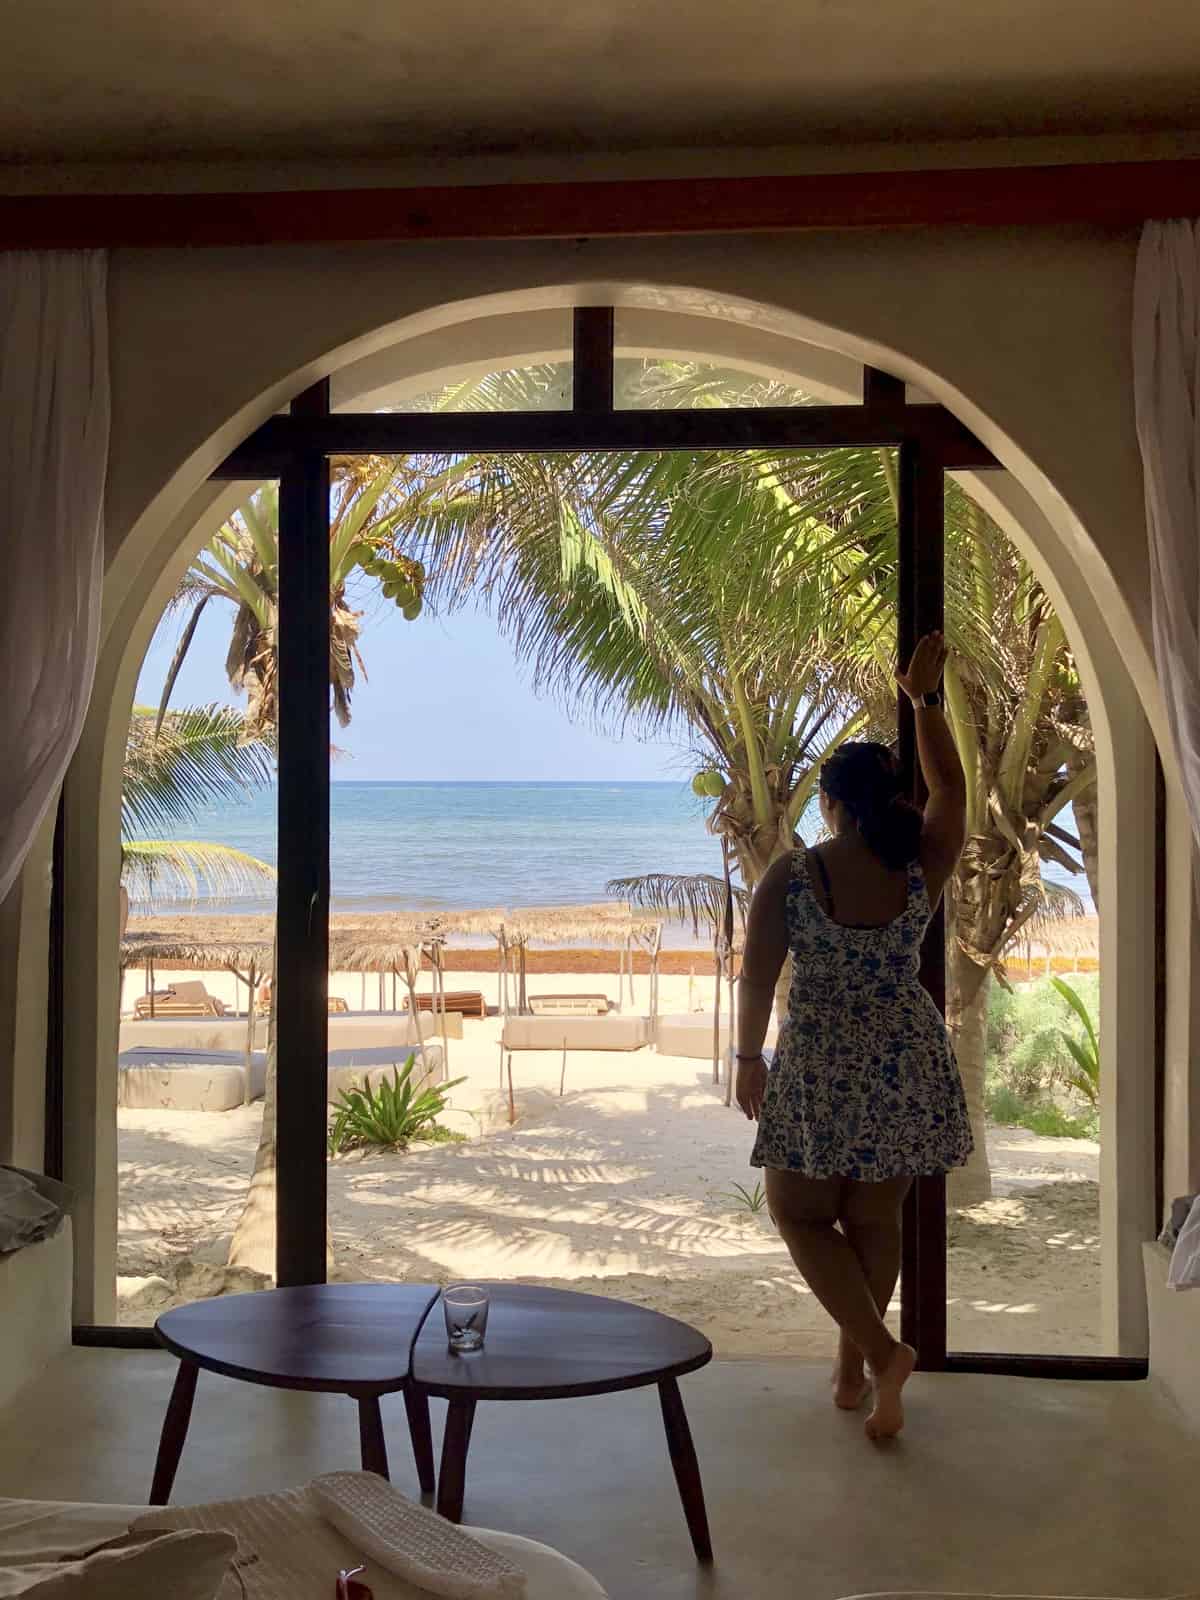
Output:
[[870, 1217], [805, 1211]]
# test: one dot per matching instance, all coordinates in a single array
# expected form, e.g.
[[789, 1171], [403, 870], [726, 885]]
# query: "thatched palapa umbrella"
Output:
[[401, 954], [705, 901], [249, 960], [603, 922]]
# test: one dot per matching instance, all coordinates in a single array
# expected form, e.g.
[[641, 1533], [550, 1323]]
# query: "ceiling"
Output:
[[163, 79]]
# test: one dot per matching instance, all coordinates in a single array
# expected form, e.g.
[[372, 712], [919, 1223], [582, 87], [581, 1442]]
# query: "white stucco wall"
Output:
[[1023, 334]]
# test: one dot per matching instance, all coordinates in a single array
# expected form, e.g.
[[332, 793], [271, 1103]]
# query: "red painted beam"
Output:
[[1112, 194]]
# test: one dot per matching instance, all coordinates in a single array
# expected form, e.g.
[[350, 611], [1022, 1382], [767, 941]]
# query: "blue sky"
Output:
[[444, 700]]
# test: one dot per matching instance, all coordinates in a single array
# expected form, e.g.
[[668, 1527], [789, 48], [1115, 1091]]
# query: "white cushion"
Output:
[[578, 1033]]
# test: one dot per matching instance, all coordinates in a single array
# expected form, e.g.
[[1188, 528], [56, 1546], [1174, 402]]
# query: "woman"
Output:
[[864, 1094]]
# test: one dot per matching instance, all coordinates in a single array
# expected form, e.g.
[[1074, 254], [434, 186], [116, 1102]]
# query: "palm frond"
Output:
[[188, 869], [199, 756], [698, 898]]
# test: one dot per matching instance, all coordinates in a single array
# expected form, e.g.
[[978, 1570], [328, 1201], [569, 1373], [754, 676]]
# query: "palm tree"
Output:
[[175, 764], [673, 592], [748, 600], [1023, 735], [240, 565]]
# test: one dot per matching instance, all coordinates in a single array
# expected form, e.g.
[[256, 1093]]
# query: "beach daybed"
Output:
[[575, 1033], [228, 1032], [569, 1005], [154, 1078], [692, 1035], [354, 1069]]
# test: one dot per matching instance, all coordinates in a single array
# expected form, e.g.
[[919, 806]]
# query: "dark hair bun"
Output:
[[866, 779]]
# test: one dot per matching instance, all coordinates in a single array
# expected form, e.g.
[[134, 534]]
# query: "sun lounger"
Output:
[[467, 1002], [187, 999], [157, 1079], [569, 1005]]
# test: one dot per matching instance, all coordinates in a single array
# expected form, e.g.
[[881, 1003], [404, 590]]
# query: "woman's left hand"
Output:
[[751, 1086]]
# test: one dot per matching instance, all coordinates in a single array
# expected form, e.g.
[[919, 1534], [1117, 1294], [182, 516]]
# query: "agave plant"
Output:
[[390, 1116]]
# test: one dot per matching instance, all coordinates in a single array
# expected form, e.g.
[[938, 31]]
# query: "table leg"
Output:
[[416, 1404], [687, 1468], [370, 1435], [174, 1432], [456, 1441]]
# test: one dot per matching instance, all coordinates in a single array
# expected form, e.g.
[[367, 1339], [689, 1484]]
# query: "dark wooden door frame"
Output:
[[297, 449]]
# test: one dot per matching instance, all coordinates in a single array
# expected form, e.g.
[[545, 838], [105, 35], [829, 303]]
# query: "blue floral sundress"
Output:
[[864, 1084]]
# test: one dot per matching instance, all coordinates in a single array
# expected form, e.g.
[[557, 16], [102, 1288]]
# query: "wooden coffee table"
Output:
[[550, 1344], [341, 1338]]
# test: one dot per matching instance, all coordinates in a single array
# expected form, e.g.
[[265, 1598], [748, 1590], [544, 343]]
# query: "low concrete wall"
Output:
[[1174, 1335], [35, 1309]]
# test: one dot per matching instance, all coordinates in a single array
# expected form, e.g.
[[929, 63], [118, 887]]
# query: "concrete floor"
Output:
[[999, 1485]]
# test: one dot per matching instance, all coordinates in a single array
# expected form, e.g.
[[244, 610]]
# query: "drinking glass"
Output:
[[466, 1309]]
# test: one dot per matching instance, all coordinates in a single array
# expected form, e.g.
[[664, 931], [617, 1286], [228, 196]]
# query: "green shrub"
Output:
[[391, 1116], [1039, 1116], [1028, 1050], [1085, 1052]]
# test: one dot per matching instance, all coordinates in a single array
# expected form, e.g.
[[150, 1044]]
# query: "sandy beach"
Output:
[[623, 1186]]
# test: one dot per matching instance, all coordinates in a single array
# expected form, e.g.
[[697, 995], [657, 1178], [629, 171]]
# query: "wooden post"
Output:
[[717, 1010], [502, 979], [691, 988], [512, 1103], [249, 1031], [362, 993], [410, 984], [522, 1002], [439, 1000], [562, 1077], [150, 982], [732, 1045]]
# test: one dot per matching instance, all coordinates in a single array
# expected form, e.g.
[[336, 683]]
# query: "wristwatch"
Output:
[[930, 698]]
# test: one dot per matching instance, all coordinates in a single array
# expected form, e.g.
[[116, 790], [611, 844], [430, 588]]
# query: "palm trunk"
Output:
[[967, 989], [1087, 812], [253, 1243]]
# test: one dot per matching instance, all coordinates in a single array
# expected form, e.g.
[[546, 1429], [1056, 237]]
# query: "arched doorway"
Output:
[[833, 372]]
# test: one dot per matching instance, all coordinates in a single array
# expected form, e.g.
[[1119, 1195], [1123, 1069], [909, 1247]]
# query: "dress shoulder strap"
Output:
[[823, 871]]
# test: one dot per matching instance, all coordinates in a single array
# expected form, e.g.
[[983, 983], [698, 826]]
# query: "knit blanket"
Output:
[[294, 1544]]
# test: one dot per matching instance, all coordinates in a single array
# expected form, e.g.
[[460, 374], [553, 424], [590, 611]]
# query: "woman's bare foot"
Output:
[[850, 1386], [887, 1417]]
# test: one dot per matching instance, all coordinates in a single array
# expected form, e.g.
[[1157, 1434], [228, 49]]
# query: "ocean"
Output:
[[456, 846]]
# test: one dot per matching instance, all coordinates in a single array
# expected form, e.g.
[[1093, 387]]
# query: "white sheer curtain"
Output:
[[54, 415], [1166, 366]]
